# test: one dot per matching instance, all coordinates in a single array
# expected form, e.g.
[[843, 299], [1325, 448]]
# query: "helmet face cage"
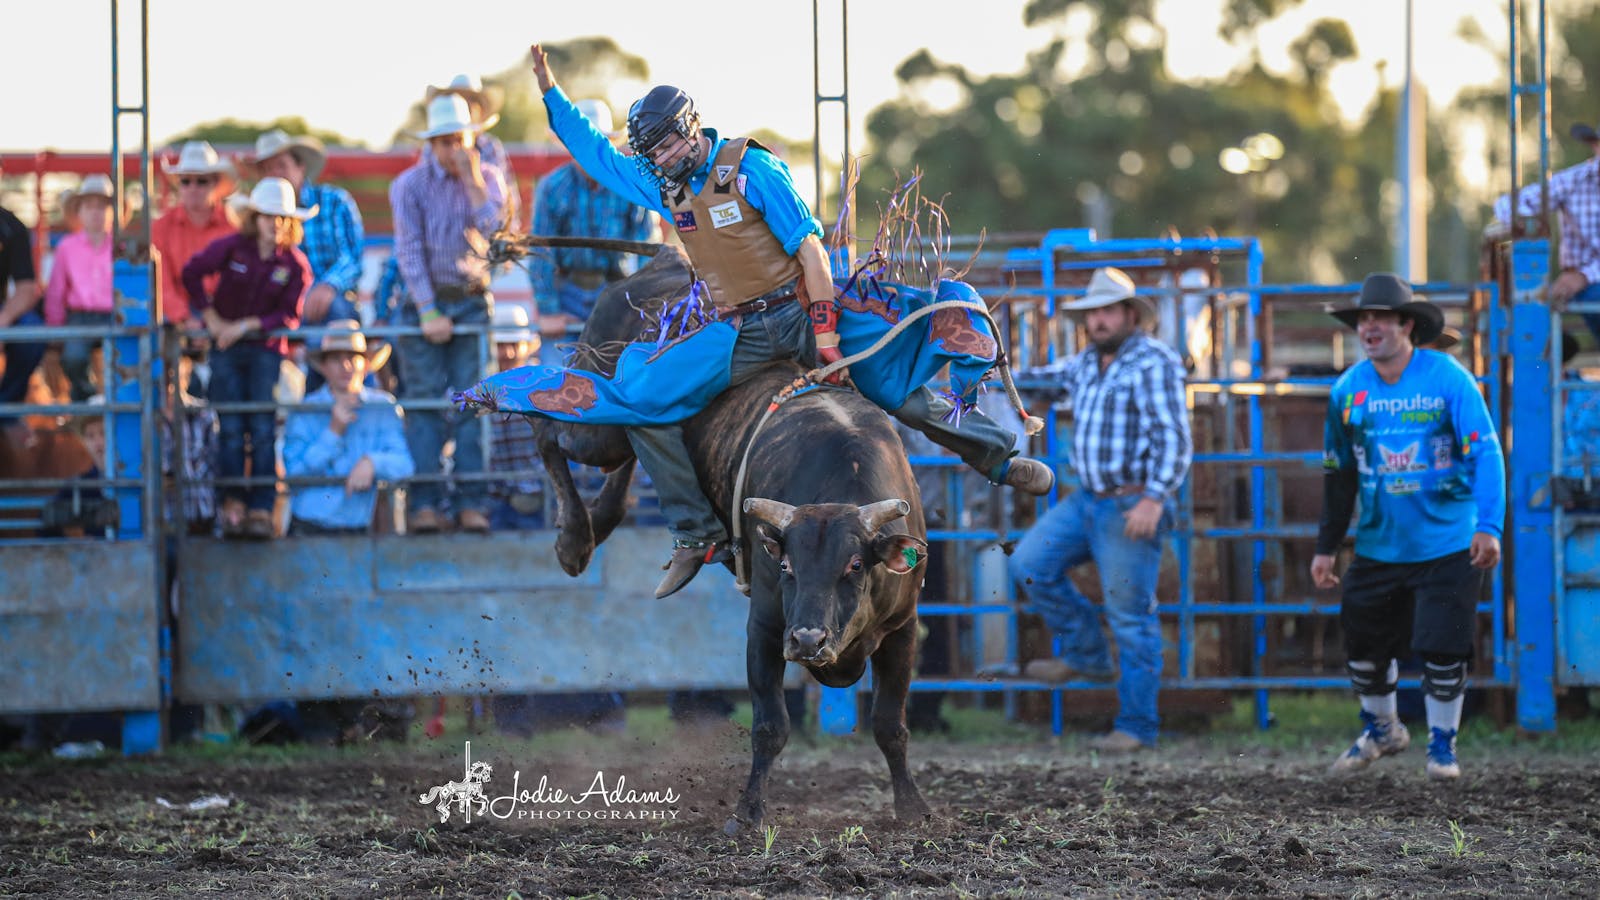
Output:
[[663, 112]]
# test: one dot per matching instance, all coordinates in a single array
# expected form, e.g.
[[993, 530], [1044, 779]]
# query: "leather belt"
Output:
[[1121, 490], [771, 300]]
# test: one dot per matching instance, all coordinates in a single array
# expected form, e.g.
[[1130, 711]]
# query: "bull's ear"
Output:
[[771, 540], [900, 553]]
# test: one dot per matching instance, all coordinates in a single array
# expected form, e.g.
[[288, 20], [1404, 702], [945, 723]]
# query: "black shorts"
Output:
[[1430, 607]]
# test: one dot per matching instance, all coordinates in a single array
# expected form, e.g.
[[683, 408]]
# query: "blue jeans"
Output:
[[76, 354], [576, 301], [21, 359], [434, 372], [1590, 294], [245, 373], [1075, 531]]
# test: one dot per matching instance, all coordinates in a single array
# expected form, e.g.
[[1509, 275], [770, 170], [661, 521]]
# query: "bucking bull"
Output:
[[832, 505]]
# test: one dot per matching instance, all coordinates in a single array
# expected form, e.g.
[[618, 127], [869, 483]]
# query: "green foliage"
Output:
[[1117, 144], [233, 131]]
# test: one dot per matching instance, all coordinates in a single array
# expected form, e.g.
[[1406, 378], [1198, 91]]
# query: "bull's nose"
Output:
[[805, 643]]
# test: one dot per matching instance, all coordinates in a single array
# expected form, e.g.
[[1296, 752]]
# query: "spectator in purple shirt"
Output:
[[443, 205], [263, 280]]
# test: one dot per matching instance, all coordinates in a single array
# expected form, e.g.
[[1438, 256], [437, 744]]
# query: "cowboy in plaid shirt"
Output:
[[1131, 450]]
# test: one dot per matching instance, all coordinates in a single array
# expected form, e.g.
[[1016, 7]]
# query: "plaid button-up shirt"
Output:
[[334, 236], [1575, 192], [1131, 422]]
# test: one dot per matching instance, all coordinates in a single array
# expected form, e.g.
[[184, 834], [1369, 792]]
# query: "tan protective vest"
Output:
[[727, 239]]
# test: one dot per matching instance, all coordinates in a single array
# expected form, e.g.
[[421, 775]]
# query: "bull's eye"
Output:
[[784, 567], [855, 565]]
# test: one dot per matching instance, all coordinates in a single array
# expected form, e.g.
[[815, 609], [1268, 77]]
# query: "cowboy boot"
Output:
[[687, 558]]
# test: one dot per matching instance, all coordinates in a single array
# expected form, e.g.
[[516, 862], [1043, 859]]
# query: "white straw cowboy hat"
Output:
[[449, 114], [96, 185], [306, 149], [275, 197], [599, 115], [512, 325], [1109, 286], [344, 336], [198, 158], [469, 88]]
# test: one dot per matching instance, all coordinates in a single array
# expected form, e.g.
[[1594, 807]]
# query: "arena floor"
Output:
[[1038, 817]]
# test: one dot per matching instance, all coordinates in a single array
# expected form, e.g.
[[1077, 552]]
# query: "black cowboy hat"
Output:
[[1385, 291]]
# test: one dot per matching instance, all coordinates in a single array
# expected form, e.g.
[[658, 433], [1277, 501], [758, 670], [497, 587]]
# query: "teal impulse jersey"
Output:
[[1429, 461]]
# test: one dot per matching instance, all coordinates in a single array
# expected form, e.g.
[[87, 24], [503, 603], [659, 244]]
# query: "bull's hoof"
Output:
[[574, 551], [912, 811], [734, 827]]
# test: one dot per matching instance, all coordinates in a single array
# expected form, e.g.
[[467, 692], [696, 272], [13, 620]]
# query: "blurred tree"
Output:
[[233, 131], [1116, 143]]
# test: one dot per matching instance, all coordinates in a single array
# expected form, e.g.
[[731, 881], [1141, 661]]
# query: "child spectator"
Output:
[[263, 282], [79, 291]]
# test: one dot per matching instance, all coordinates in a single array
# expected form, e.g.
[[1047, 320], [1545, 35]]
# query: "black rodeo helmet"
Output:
[[664, 111]]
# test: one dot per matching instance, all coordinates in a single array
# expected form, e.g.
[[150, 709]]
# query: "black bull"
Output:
[[836, 512]]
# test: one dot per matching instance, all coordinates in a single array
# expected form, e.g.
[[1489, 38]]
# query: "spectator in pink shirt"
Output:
[[79, 291], [262, 284]]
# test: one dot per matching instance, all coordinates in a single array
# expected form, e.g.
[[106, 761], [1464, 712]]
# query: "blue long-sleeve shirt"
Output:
[[310, 447], [767, 184], [1426, 456]]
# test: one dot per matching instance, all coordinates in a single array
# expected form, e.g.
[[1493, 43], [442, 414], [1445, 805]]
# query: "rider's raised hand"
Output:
[[541, 69]]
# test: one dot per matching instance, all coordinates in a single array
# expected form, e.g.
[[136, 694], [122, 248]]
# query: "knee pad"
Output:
[[1444, 679], [1368, 681]]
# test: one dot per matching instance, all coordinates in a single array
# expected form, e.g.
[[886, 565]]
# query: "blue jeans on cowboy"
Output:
[[76, 354], [246, 373], [1076, 530], [1590, 294], [434, 372]]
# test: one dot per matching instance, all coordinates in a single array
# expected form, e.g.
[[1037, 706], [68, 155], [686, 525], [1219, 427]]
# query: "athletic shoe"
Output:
[[1442, 764], [1382, 737]]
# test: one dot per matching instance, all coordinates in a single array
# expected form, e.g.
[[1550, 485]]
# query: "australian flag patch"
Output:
[[683, 221]]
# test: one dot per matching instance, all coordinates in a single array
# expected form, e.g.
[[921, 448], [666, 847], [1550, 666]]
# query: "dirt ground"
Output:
[[1040, 818]]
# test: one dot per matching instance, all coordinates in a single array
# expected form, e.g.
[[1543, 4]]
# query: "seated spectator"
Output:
[[188, 425], [79, 291], [263, 280], [361, 439], [82, 510], [1580, 438], [517, 504]]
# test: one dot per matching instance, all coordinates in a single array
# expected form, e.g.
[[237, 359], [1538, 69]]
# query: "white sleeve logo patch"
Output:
[[724, 214]]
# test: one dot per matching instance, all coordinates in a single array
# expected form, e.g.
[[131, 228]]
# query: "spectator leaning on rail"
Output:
[[19, 301], [1409, 435], [483, 105], [756, 250], [263, 278], [332, 242], [1575, 193], [443, 205], [1131, 449], [199, 217], [80, 279], [361, 439], [570, 203]]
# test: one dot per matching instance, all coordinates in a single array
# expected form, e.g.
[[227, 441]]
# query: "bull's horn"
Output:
[[877, 515], [772, 512]]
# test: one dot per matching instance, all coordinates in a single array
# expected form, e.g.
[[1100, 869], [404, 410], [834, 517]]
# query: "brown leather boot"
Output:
[[687, 558], [474, 521], [1030, 476]]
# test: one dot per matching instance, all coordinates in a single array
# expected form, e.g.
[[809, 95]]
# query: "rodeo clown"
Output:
[[761, 274], [1408, 433]]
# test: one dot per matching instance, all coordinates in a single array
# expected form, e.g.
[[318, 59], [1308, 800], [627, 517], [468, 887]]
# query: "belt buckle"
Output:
[[758, 305]]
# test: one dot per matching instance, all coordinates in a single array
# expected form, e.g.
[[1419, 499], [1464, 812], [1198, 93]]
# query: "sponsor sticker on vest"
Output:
[[684, 221], [723, 172], [724, 214], [740, 182]]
